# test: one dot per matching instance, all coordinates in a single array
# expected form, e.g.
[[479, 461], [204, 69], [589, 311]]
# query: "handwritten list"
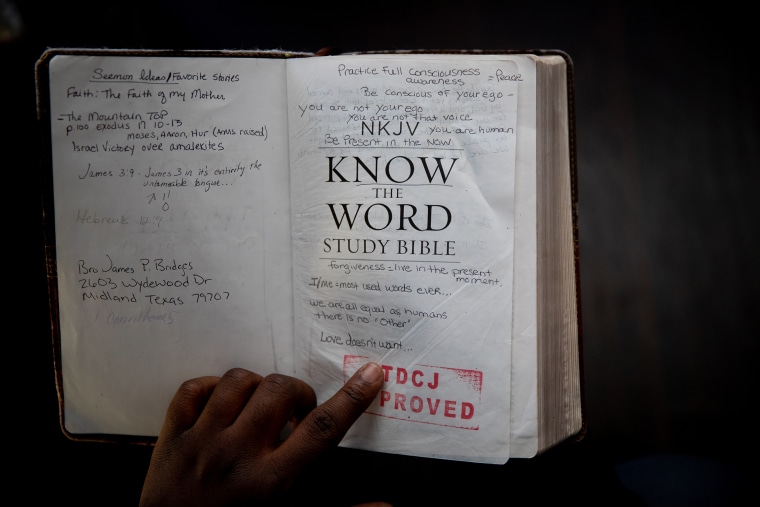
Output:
[[172, 225]]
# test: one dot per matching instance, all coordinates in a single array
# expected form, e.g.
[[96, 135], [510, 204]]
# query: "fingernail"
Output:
[[371, 373]]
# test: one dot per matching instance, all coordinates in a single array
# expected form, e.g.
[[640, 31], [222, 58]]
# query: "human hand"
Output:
[[221, 440]]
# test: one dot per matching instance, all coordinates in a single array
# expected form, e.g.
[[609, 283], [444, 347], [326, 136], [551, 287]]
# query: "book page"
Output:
[[402, 181], [524, 323], [172, 227]]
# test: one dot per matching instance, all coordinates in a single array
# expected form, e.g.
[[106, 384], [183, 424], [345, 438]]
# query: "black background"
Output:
[[668, 157]]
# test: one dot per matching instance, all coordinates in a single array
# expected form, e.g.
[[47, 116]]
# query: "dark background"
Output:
[[668, 155]]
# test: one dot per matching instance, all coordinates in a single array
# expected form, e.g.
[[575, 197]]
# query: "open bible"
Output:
[[302, 214]]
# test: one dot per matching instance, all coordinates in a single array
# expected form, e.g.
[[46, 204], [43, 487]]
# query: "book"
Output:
[[304, 213]]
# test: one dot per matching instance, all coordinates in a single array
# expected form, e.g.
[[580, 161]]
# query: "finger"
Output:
[[327, 424], [228, 399], [188, 402], [278, 399]]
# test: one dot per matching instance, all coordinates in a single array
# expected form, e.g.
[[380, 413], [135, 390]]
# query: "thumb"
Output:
[[326, 425], [356, 394]]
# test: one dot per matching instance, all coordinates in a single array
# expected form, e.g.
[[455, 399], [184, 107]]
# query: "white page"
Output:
[[132, 215], [524, 336], [438, 319]]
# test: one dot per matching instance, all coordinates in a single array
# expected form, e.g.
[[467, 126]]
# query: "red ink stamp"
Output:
[[425, 393]]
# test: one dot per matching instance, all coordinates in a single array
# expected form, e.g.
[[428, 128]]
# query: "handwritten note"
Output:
[[402, 183], [172, 225]]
